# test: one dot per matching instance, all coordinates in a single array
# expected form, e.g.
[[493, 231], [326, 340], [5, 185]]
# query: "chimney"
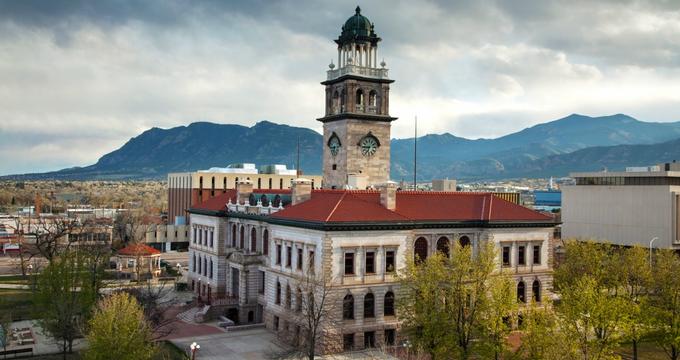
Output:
[[302, 190], [243, 190], [388, 195]]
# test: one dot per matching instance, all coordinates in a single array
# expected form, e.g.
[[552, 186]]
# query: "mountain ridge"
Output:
[[201, 145]]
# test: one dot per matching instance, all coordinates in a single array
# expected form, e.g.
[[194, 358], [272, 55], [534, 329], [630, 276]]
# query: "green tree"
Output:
[[542, 335], [666, 302], [64, 298], [118, 330], [632, 273], [447, 305], [496, 317], [593, 317]]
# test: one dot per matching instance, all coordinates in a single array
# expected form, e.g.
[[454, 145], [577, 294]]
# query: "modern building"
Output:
[[191, 188], [253, 250], [547, 200], [625, 207]]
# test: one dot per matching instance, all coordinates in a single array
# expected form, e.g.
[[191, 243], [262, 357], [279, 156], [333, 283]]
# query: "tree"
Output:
[[155, 301], [633, 276], [496, 317], [118, 330], [542, 336], [52, 236], [593, 317], [447, 305], [666, 302], [5, 326], [64, 298]]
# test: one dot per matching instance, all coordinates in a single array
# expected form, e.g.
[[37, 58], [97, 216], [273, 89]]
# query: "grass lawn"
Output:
[[17, 302], [646, 351]]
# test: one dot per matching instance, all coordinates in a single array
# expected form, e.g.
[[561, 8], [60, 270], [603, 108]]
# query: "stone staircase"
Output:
[[189, 316]]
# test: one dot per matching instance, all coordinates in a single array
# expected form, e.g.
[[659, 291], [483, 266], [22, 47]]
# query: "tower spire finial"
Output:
[[358, 10]]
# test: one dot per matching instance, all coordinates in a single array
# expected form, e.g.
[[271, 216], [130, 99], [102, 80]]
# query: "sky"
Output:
[[79, 78]]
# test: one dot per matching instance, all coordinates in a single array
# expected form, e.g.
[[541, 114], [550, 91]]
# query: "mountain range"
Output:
[[573, 143]]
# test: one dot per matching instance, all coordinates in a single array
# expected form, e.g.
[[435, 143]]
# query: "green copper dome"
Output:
[[357, 28]]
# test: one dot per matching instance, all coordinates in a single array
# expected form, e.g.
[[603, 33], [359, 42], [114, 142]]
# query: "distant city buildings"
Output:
[[627, 208]]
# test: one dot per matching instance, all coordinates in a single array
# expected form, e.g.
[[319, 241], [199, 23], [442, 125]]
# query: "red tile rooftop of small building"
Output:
[[138, 250]]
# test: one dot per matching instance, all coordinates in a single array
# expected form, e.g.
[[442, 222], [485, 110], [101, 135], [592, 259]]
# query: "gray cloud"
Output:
[[79, 78]]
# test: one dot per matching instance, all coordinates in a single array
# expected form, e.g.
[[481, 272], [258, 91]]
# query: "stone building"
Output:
[[252, 249]]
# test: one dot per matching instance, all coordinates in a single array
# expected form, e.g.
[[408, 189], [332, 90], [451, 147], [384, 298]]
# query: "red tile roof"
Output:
[[364, 206], [218, 202], [138, 249]]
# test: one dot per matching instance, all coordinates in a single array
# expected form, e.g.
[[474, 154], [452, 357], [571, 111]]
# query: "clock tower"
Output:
[[356, 126]]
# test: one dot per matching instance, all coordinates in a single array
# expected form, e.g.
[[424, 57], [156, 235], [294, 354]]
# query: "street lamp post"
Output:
[[650, 249], [194, 348]]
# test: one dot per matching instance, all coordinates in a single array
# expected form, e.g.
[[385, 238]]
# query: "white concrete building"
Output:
[[625, 208]]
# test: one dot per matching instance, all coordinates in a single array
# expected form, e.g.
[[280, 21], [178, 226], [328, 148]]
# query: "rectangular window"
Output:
[[311, 261], [289, 256], [506, 256], [389, 261], [211, 238], [537, 254], [390, 337], [349, 263], [370, 262], [278, 254], [521, 255], [299, 259], [262, 280], [348, 342]]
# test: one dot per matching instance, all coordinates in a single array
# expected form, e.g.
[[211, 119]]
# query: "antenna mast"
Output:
[[415, 155]]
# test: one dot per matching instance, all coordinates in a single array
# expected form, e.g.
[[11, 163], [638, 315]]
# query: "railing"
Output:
[[230, 300], [357, 70], [257, 209]]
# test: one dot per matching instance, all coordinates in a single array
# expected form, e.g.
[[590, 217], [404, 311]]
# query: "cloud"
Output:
[[79, 78]]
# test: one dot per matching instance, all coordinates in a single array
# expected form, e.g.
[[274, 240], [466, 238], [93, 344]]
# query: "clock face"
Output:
[[369, 145], [334, 145]]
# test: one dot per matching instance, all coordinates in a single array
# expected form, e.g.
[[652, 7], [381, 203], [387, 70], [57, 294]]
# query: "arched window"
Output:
[[389, 303], [280, 184], [233, 235], [224, 184], [464, 241], [348, 307], [211, 269], [259, 183], [264, 200], [252, 200], [193, 264], [288, 297], [360, 97], [270, 183], [205, 267], [253, 240], [242, 242], [265, 242], [369, 305], [212, 186], [536, 290], [200, 262], [200, 182], [521, 292], [443, 245], [372, 98], [343, 100], [277, 200], [420, 250]]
